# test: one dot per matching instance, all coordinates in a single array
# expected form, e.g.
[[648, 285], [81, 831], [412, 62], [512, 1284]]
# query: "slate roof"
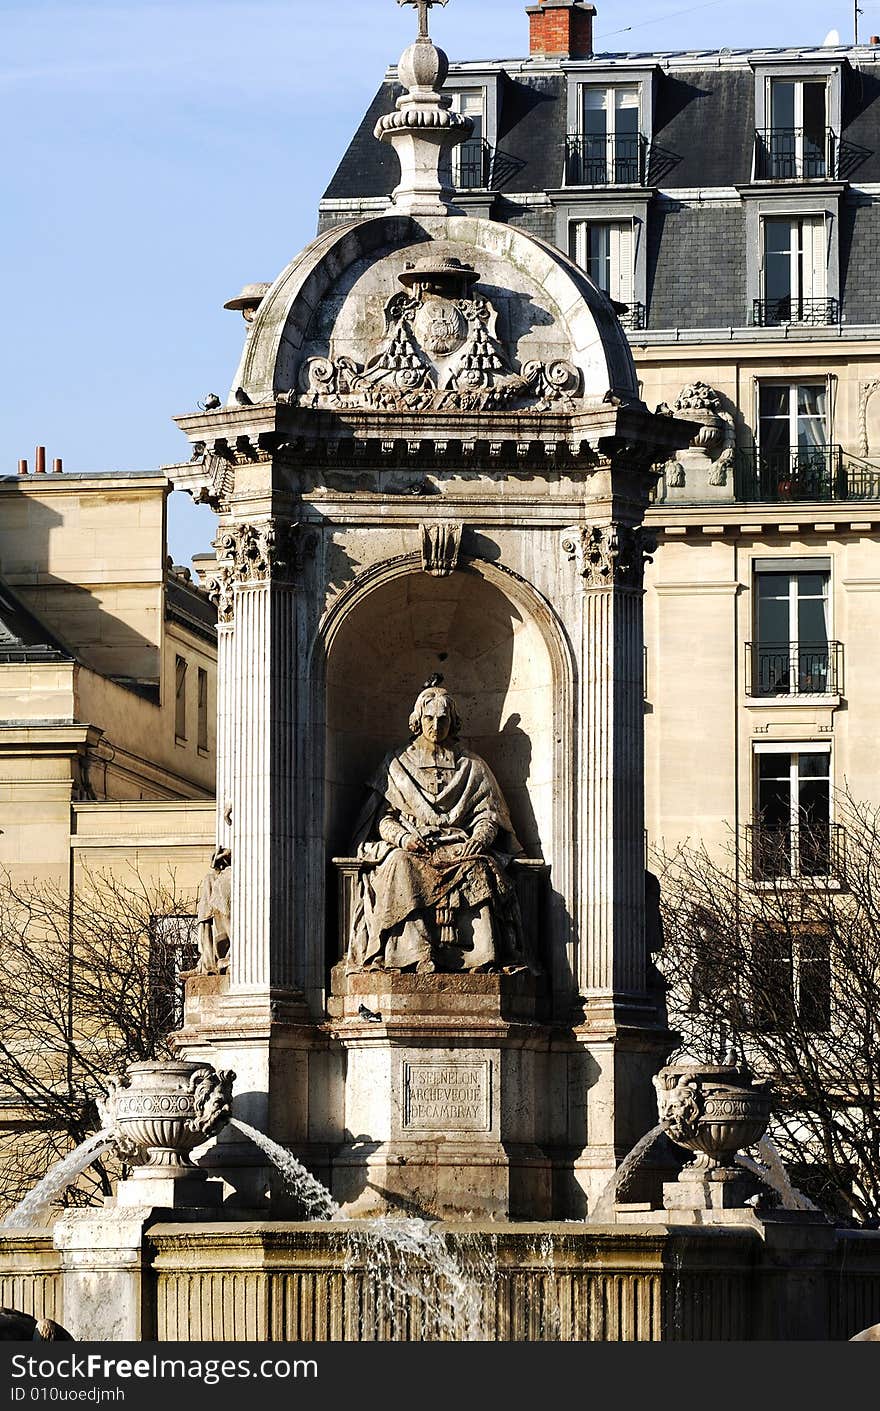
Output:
[[23, 637]]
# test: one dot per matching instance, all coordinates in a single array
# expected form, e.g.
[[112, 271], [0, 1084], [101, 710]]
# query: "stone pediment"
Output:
[[439, 350]]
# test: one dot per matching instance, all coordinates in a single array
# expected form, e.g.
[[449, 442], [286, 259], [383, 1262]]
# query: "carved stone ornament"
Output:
[[440, 543], [439, 352], [609, 556], [866, 392], [159, 1111], [713, 443], [711, 1110], [252, 554]]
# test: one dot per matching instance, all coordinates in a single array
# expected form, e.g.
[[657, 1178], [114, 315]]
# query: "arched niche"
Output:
[[496, 657]]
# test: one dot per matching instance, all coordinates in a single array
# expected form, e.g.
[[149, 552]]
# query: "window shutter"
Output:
[[622, 262], [814, 281]]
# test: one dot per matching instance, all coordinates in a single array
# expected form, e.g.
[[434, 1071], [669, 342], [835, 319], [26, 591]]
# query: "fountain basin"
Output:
[[713, 1110], [160, 1111]]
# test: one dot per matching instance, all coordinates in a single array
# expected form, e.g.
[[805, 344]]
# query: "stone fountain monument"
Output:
[[423, 948], [432, 468]]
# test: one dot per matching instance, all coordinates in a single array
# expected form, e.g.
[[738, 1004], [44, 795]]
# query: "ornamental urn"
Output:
[[160, 1111], [712, 1110]]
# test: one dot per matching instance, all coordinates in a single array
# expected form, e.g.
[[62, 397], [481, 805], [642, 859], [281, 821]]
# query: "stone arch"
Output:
[[354, 267], [503, 654]]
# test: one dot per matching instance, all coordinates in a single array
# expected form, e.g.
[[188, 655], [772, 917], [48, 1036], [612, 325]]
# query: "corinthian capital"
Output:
[[609, 555], [271, 551]]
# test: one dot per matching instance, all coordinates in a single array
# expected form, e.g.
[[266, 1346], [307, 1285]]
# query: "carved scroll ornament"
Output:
[[609, 556], [440, 351], [253, 554]]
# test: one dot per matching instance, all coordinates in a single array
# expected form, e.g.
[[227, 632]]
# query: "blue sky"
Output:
[[161, 153]]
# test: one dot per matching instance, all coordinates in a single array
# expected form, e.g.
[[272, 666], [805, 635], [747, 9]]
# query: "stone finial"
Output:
[[423, 129]]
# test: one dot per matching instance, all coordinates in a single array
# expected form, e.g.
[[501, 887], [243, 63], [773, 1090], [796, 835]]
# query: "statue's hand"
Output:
[[470, 848], [413, 844]]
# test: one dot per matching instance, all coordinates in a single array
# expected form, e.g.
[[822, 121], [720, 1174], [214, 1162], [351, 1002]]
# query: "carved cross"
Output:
[[423, 6]]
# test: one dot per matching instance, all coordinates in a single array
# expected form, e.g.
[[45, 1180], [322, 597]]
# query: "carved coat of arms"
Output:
[[440, 351]]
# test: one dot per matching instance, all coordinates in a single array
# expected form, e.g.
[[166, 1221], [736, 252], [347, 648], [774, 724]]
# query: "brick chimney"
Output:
[[561, 28]]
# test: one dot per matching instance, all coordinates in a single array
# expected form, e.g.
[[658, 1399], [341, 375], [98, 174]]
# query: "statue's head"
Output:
[[435, 715], [222, 858]]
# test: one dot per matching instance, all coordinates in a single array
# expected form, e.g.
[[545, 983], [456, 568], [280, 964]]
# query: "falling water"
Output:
[[408, 1258], [316, 1199], [605, 1204], [774, 1175], [31, 1209]]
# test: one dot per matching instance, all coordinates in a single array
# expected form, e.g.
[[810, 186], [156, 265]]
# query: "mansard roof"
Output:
[[703, 117]]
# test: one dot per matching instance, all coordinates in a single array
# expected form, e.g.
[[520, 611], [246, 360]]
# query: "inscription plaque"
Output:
[[447, 1097]]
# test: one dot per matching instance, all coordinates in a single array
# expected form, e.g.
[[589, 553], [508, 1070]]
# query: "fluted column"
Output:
[[609, 559], [256, 740]]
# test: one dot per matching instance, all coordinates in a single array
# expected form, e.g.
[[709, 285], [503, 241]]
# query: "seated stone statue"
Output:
[[435, 837]]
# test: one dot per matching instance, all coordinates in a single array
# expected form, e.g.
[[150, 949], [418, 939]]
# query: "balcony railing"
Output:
[[632, 316], [776, 853], [796, 473], [791, 669], [794, 154], [474, 163], [813, 313], [791, 473], [605, 161]]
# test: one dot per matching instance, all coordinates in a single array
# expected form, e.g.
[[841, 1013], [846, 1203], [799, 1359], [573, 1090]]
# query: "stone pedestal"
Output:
[[443, 1109], [105, 1272], [704, 1191]]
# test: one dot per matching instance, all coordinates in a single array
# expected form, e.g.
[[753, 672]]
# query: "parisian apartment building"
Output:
[[728, 204]]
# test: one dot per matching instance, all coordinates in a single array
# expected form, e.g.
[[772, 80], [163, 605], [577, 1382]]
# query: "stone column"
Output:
[[610, 558], [255, 1020], [220, 588], [257, 699]]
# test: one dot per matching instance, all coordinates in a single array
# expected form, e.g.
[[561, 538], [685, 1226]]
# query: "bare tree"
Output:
[[775, 949], [87, 986]]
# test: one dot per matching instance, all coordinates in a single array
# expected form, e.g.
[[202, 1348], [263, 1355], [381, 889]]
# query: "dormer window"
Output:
[[609, 148], [471, 159], [797, 122], [795, 284]]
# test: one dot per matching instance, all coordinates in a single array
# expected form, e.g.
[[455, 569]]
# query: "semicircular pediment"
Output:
[[454, 314]]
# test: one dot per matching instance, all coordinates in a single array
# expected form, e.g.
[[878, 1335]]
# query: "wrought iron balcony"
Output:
[[791, 669], [813, 313], [605, 161], [790, 473], [773, 853], [474, 163], [632, 316], [799, 473], [794, 154]]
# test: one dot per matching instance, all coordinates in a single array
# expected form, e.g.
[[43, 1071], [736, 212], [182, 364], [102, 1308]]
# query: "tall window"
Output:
[[174, 952], [790, 980], [605, 250], [203, 710], [470, 159], [180, 699], [797, 144], [795, 286], [793, 452], [792, 830], [611, 144], [791, 652]]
